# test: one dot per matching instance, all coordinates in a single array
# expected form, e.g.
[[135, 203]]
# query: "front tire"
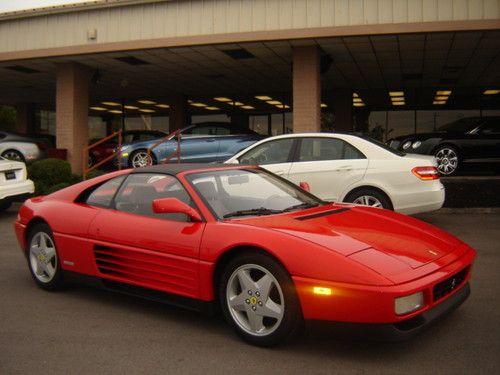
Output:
[[141, 158], [43, 260], [369, 197], [448, 160], [258, 299]]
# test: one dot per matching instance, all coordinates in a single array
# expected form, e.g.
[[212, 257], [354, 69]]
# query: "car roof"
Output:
[[174, 169]]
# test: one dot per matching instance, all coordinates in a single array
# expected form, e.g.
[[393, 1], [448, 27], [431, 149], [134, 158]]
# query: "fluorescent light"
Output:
[[441, 97], [443, 92], [282, 106], [98, 108], [398, 99], [263, 97], [273, 102], [396, 93], [439, 102], [212, 108], [117, 111], [223, 99], [146, 101], [491, 92], [131, 107], [237, 104], [358, 104], [398, 103], [113, 104], [198, 104], [323, 105], [357, 100], [247, 107], [355, 95], [162, 106], [145, 110]]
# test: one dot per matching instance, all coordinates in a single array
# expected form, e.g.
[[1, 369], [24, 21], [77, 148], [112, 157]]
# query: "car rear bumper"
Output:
[[420, 201], [17, 192], [403, 330]]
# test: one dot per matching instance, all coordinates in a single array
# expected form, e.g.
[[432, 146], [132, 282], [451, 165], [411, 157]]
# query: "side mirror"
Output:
[[305, 186], [175, 206]]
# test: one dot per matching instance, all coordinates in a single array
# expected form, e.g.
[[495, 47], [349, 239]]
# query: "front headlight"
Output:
[[406, 145], [407, 304], [416, 144]]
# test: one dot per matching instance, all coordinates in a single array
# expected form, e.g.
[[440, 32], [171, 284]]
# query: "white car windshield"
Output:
[[249, 192]]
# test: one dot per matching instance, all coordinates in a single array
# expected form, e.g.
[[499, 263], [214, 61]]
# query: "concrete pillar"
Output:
[[72, 104], [306, 89], [178, 113], [25, 118], [342, 100]]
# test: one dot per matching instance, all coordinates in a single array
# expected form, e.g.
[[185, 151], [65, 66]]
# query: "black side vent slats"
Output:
[[324, 213]]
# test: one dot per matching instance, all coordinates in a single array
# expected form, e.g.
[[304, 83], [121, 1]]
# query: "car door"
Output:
[[274, 155], [489, 140], [132, 244], [329, 165]]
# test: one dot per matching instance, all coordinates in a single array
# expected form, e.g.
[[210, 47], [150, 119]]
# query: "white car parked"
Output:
[[349, 168], [14, 183]]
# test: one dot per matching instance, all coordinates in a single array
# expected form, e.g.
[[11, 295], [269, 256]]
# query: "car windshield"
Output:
[[463, 125], [233, 193]]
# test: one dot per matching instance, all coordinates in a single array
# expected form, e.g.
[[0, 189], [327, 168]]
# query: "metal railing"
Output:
[[86, 150], [176, 153]]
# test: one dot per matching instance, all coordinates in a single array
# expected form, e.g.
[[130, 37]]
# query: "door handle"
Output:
[[344, 168]]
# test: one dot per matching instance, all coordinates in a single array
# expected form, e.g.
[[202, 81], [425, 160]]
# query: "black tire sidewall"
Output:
[[292, 319], [57, 281]]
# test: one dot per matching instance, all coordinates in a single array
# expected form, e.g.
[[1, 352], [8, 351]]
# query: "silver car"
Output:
[[21, 148]]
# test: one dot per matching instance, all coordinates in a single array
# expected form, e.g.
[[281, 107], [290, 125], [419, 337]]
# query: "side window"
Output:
[[103, 195], [269, 153], [203, 130], [491, 126], [128, 138], [222, 130], [138, 192], [317, 149]]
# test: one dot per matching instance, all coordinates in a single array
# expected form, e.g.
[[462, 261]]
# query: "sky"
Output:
[[12, 5]]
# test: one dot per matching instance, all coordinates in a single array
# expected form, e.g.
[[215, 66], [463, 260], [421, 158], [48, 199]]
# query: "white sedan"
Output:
[[349, 168], [14, 183]]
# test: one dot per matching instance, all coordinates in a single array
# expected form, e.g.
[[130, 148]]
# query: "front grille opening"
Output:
[[449, 285], [408, 325]]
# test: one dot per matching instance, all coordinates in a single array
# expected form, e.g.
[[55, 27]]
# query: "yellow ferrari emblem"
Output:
[[253, 300]]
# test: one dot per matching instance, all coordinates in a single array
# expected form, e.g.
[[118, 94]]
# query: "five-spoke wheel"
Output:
[[141, 158], [258, 299]]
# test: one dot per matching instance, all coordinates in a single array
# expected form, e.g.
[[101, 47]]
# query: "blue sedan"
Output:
[[200, 143]]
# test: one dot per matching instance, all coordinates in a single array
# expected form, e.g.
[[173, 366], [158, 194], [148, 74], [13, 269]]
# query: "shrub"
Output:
[[95, 173], [48, 173], [57, 187]]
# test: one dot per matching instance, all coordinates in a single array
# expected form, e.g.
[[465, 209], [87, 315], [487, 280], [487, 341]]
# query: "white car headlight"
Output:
[[416, 144], [406, 145], [407, 304]]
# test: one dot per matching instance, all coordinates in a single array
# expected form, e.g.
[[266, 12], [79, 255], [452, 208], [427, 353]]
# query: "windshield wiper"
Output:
[[301, 206], [254, 211]]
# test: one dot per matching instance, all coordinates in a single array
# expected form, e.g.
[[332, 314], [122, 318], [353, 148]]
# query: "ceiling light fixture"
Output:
[[358, 104], [117, 111], [162, 106], [112, 104], [223, 99], [146, 101], [247, 107], [323, 105], [443, 92], [439, 102], [396, 93], [198, 104], [131, 107], [491, 92], [355, 95], [212, 108], [273, 102], [98, 108], [145, 110], [263, 97]]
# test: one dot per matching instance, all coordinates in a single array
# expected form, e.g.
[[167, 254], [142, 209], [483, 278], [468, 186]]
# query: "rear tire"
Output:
[[258, 299], [140, 158], [369, 197], [43, 260]]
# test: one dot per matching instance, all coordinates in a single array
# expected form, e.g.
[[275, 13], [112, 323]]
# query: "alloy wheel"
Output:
[[12, 155], [43, 257], [141, 159], [368, 200], [447, 159]]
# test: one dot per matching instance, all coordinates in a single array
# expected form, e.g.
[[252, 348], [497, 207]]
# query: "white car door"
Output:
[[275, 156], [328, 165]]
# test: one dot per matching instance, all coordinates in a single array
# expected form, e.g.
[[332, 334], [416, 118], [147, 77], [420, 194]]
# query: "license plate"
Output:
[[10, 175]]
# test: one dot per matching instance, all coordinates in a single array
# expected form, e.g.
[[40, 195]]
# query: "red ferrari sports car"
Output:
[[270, 254]]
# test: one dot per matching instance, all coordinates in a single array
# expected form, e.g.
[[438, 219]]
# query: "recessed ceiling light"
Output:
[[223, 99], [113, 104], [146, 101], [441, 97], [263, 97], [162, 106], [117, 111], [491, 92], [396, 93], [358, 104], [273, 102], [439, 102], [146, 110], [198, 104], [323, 105], [397, 99], [247, 107], [357, 100], [212, 108], [355, 95], [398, 103], [282, 106], [131, 107], [98, 108], [443, 92]]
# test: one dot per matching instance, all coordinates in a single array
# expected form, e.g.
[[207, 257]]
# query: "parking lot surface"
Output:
[[88, 331]]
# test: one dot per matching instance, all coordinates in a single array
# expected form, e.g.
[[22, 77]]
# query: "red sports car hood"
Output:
[[350, 229]]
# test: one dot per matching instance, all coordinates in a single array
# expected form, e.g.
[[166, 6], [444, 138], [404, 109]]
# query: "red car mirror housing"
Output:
[[305, 186], [174, 206]]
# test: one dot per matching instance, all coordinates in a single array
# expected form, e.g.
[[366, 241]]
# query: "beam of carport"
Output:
[[72, 102]]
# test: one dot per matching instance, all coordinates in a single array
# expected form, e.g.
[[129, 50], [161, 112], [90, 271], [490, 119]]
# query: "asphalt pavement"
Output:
[[88, 331]]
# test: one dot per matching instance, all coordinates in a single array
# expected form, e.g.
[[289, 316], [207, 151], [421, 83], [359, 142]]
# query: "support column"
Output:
[[342, 100], [72, 104], [178, 113], [306, 89], [25, 118]]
